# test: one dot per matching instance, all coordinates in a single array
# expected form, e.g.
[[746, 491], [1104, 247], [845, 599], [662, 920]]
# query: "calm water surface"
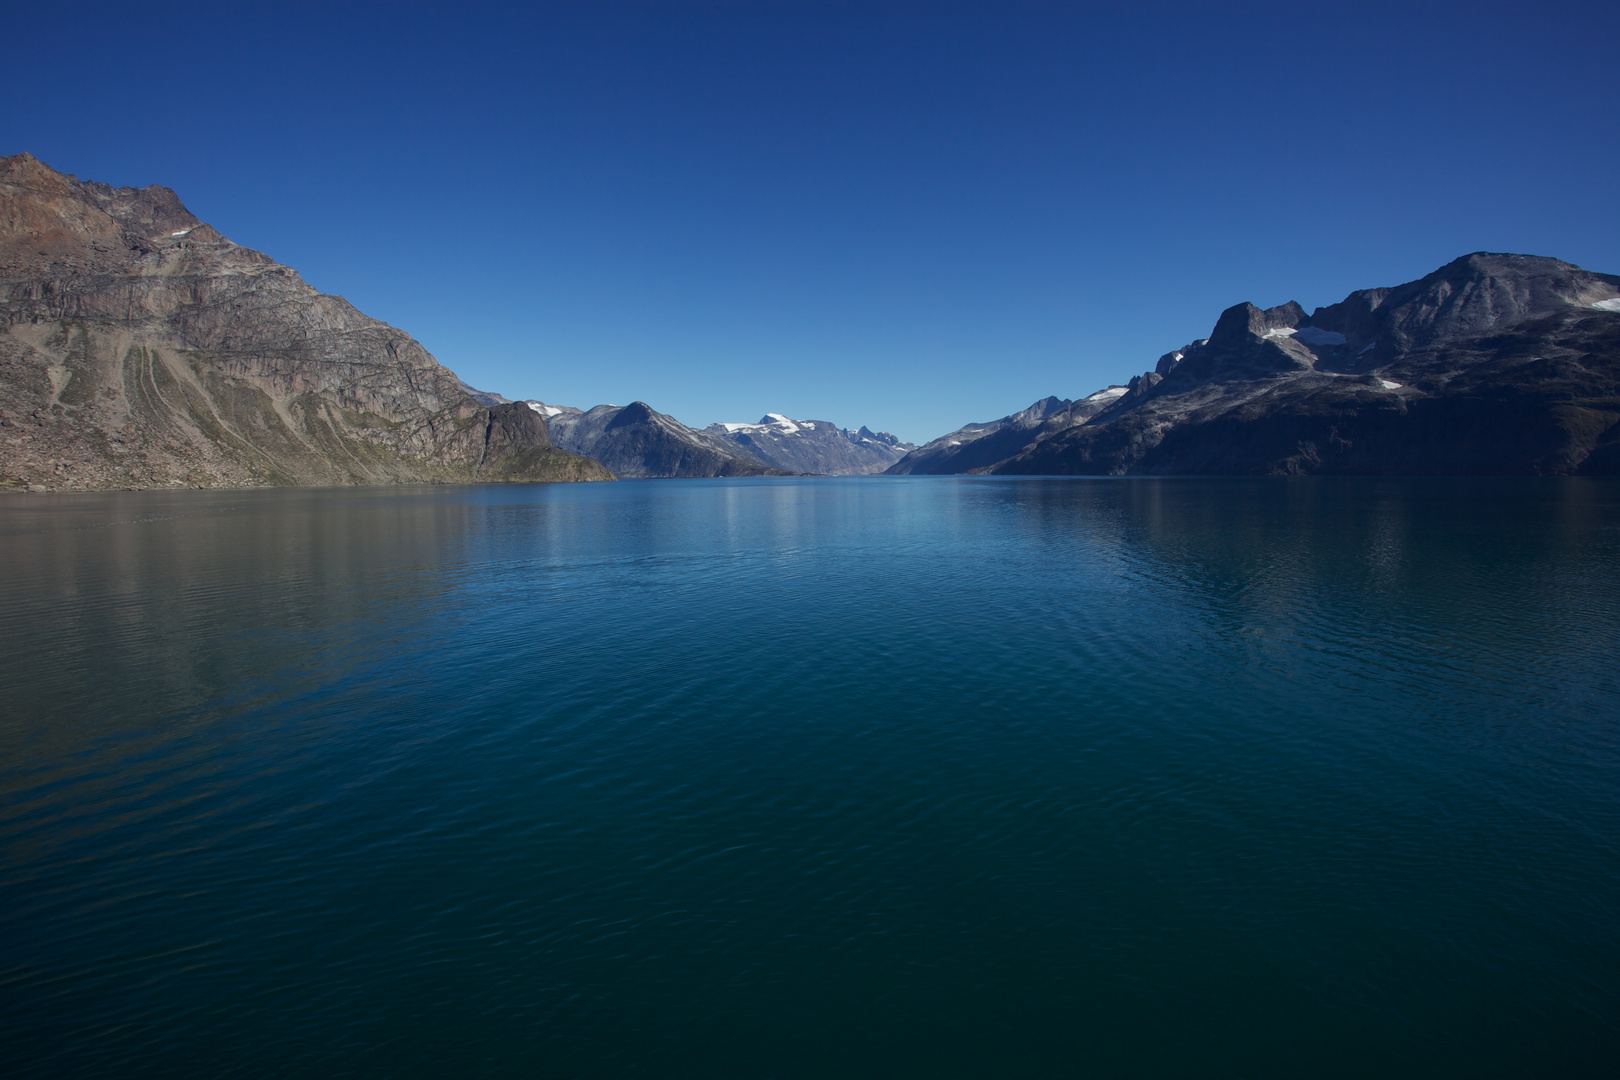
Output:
[[808, 778]]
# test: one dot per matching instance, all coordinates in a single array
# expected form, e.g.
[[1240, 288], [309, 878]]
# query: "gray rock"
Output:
[[1493, 364], [145, 349], [483, 397], [637, 441], [817, 447], [977, 445]]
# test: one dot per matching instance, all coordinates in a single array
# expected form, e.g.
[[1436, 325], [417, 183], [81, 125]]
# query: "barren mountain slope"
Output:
[[139, 347], [637, 441], [1493, 364], [817, 447]]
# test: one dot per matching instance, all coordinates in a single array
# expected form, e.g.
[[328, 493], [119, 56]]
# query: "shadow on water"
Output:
[[944, 776]]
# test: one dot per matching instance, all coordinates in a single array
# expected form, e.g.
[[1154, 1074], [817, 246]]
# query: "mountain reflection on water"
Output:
[[788, 777]]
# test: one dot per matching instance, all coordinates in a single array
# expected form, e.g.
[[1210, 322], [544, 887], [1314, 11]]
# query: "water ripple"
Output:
[[955, 776]]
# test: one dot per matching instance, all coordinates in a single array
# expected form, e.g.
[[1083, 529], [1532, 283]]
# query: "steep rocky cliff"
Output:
[[140, 348], [1493, 364]]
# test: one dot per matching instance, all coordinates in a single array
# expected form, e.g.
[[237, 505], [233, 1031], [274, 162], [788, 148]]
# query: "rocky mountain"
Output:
[[1494, 364], [139, 348], [483, 397], [819, 447], [637, 441], [978, 445]]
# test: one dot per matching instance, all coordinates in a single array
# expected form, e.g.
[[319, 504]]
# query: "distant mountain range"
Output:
[[1493, 364], [814, 446], [976, 445], [636, 440], [140, 348]]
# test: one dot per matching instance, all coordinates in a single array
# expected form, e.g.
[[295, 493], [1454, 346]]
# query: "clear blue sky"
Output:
[[905, 215]]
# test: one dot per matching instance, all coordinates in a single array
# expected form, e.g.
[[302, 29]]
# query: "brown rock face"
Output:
[[140, 348]]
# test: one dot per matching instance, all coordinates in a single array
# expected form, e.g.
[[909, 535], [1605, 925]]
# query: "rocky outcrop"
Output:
[[815, 447], [637, 441], [139, 348], [1493, 364]]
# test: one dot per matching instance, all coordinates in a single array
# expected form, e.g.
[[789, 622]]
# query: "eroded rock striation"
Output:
[[140, 348], [1494, 364]]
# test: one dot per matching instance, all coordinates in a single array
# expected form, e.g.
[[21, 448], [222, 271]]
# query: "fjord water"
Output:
[[810, 777]]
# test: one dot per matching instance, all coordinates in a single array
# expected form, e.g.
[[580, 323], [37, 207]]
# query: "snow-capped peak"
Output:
[[775, 423], [776, 419]]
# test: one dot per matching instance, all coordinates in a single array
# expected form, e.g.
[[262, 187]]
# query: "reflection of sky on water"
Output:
[[1197, 766]]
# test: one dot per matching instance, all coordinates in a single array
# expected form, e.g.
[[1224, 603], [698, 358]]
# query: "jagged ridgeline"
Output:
[[814, 446], [636, 440], [140, 348], [1492, 365]]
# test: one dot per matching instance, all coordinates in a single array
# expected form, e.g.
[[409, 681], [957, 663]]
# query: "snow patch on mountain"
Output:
[[1315, 335], [772, 422], [817, 447]]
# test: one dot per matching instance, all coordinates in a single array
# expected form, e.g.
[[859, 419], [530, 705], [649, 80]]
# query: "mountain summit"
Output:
[[1493, 364], [814, 446], [637, 441], [140, 348]]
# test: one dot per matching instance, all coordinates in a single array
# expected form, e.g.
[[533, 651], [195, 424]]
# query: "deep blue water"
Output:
[[814, 777]]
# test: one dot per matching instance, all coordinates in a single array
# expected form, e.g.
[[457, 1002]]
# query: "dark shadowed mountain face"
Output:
[[636, 441], [140, 348], [978, 445], [1493, 364], [817, 447]]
